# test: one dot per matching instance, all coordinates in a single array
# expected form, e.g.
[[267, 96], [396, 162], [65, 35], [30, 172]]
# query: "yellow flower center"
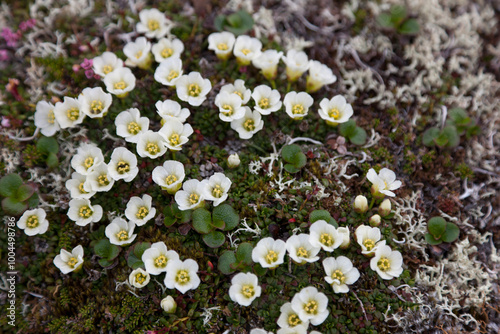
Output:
[[217, 191], [294, 320], [51, 118], [182, 277], [369, 244], [72, 262], [133, 128], [302, 252], [73, 114], [122, 235], [142, 212], [85, 212], [193, 198], [175, 139], [96, 107], [239, 94], [89, 162], [32, 221], [249, 125], [122, 167], [298, 109], [229, 109], [264, 103], [167, 52], [140, 278], [153, 24], [107, 69], [246, 51], [311, 307], [103, 180], [172, 75], [338, 275], [271, 257], [161, 261], [82, 190], [152, 148], [334, 113], [194, 90], [138, 54], [120, 85], [326, 239], [247, 291], [384, 264], [222, 46], [170, 179]]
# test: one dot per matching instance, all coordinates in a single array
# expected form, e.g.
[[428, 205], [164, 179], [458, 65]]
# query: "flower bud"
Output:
[[360, 204], [233, 160], [375, 220], [344, 234], [385, 208], [168, 304]]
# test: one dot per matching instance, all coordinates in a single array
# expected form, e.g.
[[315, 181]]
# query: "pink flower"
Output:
[[10, 37], [89, 74], [25, 25], [5, 122], [4, 56], [86, 64]]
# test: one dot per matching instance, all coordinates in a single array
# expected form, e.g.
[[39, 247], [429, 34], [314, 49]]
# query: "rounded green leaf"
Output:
[[244, 253], [347, 129], [398, 13], [291, 168], [114, 250], [104, 263], [47, 145], [33, 201], [436, 226], [134, 262], [358, 137], [227, 214], [102, 248], [52, 160], [24, 192], [140, 247], [202, 221], [219, 22], [384, 20], [214, 239], [322, 215], [450, 132], [451, 233], [409, 27], [288, 152], [226, 259], [429, 136], [13, 207], [431, 240], [9, 184]]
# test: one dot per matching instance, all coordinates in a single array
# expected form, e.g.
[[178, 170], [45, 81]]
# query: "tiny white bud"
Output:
[[385, 208], [168, 304], [233, 160], [375, 220], [360, 204], [344, 233]]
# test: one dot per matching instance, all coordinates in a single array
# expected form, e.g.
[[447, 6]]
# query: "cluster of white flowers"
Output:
[[194, 192]]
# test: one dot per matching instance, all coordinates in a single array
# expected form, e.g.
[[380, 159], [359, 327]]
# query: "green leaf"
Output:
[[226, 259], [234, 20], [451, 234], [429, 136], [33, 201], [384, 20], [219, 22], [398, 13], [358, 137], [441, 140], [13, 207], [103, 248], [409, 27], [244, 253], [214, 239], [457, 114], [431, 240], [104, 263], [451, 135], [202, 221], [291, 168], [47, 145], [140, 247], [134, 262], [347, 129], [113, 252], [472, 131], [170, 217], [258, 270], [289, 153], [320, 215], [9, 184], [186, 215], [24, 192], [227, 214], [436, 226], [217, 223], [52, 160]]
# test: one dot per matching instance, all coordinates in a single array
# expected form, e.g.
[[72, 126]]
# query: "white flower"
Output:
[[387, 263], [368, 237], [130, 125], [340, 273], [244, 288], [167, 48], [385, 207], [269, 253], [360, 204], [120, 82], [68, 262], [169, 71], [99, 179], [374, 220], [289, 318], [140, 210], [182, 275], [190, 197], [233, 160], [33, 222], [75, 186], [120, 232], [246, 49], [345, 235], [384, 182], [95, 102], [300, 329], [216, 188], [169, 176], [319, 75], [267, 62], [249, 124], [239, 89], [297, 104], [311, 305], [139, 278], [106, 63], [45, 118], [301, 250], [336, 110], [83, 213], [157, 257], [123, 165], [87, 157], [267, 100], [230, 107], [153, 23], [175, 134], [296, 64], [221, 43], [192, 88], [151, 144], [324, 235], [138, 53], [68, 113], [259, 331], [168, 304], [169, 109]]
